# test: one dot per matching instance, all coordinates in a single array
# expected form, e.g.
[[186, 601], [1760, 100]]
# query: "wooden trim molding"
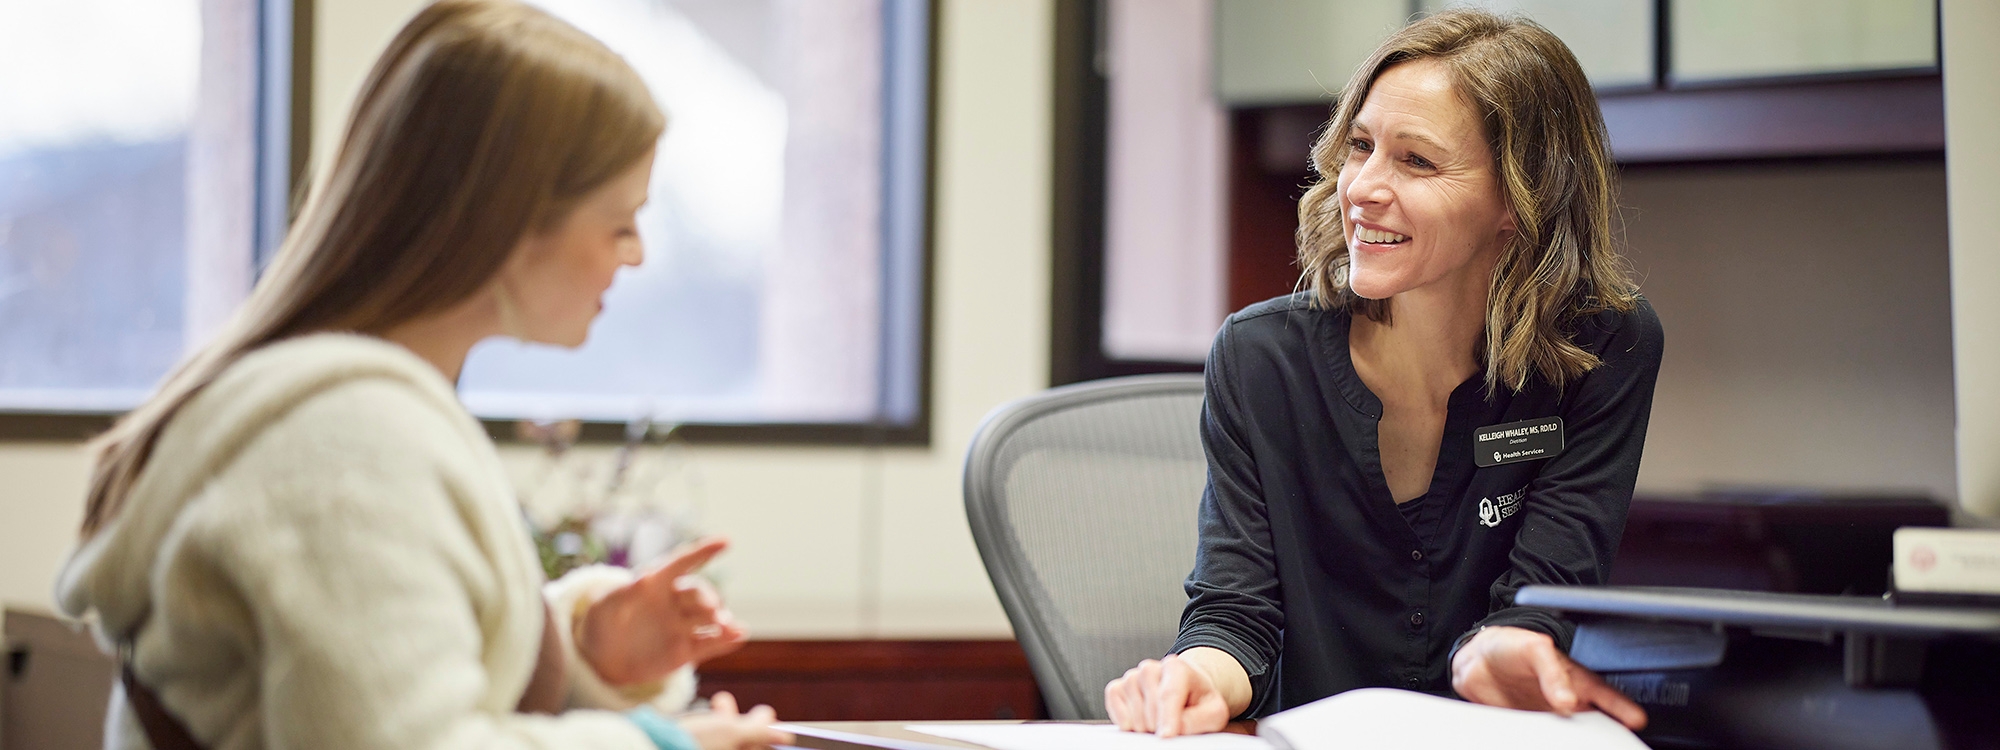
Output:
[[873, 656], [56, 681], [1831, 118], [1787, 120], [52, 427], [880, 680]]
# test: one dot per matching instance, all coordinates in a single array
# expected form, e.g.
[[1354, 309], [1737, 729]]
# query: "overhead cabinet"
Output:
[[1679, 80], [1721, 41]]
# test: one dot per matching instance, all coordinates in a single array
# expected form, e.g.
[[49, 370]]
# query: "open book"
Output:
[[1384, 717], [1365, 719]]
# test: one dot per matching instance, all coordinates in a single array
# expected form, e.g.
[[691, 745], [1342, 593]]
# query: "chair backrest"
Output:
[[1082, 500]]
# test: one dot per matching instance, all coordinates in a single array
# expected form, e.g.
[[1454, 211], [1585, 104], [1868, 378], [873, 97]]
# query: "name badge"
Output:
[[1526, 440]]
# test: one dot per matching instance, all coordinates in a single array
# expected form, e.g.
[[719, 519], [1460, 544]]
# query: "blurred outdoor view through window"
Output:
[[760, 298], [96, 98], [771, 289]]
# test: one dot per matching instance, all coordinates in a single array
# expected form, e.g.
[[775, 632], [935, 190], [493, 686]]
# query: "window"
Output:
[[96, 154], [785, 236], [134, 190], [145, 162], [1165, 166]]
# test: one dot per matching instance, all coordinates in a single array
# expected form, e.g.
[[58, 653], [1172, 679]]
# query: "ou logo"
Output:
[[1493, 510]]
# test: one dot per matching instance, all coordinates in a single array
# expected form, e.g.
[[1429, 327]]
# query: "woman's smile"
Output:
[[1374, 238]]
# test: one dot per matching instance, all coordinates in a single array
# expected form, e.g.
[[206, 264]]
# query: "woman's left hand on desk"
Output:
[[1520, 668], [722, 728]]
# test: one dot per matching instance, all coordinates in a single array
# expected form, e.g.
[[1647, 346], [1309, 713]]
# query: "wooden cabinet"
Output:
[[1800, 542], [1292, 51], [56, 685], [1614, 40], [1299, 51]]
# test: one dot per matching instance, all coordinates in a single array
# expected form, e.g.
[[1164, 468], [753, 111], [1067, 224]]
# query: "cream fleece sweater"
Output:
[[332, 558]]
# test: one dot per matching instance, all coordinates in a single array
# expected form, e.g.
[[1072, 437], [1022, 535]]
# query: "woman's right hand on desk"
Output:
[[1194, 692]]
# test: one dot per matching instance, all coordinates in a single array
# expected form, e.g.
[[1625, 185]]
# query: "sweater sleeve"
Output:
[[1575, 510], [1234, 602], [374, 584]]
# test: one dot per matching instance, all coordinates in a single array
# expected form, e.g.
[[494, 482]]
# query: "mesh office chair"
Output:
[[1082, 500]]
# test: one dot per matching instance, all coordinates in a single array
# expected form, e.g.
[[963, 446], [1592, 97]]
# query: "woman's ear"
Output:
[[1507, 226], [509, 283], [507, 308]]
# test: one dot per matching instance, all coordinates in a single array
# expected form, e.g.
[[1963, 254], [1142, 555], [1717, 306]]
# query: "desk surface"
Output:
[[891, 735], [867, 735]]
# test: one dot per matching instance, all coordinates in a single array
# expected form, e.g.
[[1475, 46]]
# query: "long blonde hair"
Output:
[[1554, 159], [483, 121]]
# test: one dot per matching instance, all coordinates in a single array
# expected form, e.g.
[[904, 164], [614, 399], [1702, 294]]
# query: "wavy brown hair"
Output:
[[1548, 141], [483, 121]]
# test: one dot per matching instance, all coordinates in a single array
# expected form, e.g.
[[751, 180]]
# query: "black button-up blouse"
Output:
[[1317, 582]]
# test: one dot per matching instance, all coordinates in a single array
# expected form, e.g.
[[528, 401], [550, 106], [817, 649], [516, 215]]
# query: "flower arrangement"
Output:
[[627, 509]]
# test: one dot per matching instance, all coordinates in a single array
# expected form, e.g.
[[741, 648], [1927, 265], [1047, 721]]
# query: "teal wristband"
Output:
[[664, 732]]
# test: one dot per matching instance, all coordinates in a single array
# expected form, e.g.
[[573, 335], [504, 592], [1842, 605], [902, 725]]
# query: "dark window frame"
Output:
[[1714, 116], [1077, 216], [284, 123]]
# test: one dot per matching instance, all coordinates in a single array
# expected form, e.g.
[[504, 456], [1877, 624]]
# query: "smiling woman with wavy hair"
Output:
[[1553, 161], [1453, 407]]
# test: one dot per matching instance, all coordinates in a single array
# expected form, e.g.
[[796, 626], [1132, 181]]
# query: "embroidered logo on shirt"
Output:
[[1493, 510]]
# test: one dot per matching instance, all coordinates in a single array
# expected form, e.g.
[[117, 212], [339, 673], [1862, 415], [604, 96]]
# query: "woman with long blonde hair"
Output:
[[1453, 409], [303, 540]]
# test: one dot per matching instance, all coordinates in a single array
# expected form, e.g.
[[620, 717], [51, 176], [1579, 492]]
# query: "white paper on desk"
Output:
[[1385, 717], [1058, 736]]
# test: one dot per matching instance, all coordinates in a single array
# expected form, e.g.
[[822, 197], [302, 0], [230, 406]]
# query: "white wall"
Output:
[[1971, 106], [1808, 321], [41, 504], [830, 542]]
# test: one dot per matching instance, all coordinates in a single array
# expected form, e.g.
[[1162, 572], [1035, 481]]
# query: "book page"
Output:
[[1384, 717], [1059, 736]]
